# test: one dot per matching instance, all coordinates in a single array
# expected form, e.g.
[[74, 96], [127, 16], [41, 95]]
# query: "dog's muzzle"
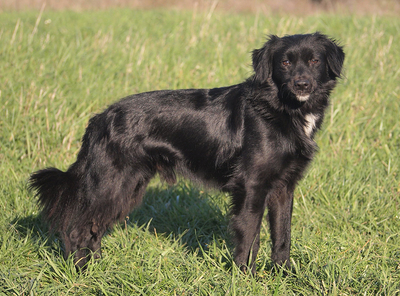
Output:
[[302, 89]]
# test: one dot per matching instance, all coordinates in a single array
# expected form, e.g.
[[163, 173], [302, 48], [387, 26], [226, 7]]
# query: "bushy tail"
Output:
[[57, 192]]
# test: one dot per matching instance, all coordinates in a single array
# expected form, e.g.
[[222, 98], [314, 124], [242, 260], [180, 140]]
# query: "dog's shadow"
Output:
[[188, 214], [191, 215]]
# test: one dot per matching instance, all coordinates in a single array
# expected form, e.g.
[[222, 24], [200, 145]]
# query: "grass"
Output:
[[59, 68], [298, 7]]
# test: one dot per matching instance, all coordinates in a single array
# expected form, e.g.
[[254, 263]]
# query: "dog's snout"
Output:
[[302, 84]]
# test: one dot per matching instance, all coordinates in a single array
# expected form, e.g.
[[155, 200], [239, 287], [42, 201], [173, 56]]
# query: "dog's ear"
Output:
[[262, 60], [335, 58]]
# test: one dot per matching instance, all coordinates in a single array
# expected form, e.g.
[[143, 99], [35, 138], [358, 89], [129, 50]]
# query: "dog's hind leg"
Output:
[[85, 241], [77, 242], [94, 245], [103, 213]]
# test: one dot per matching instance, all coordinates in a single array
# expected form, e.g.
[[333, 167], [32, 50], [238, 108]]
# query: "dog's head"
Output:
[[298, 64]]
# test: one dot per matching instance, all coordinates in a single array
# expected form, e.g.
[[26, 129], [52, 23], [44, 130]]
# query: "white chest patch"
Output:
[[310, 125]]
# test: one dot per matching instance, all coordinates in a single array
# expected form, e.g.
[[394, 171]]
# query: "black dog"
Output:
[[253, 140]]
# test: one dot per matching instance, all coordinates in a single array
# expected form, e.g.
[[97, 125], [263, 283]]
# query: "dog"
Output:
[[253, 140]]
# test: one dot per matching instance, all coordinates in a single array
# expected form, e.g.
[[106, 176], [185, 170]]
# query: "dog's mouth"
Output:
[[302, 97], [294, 100]]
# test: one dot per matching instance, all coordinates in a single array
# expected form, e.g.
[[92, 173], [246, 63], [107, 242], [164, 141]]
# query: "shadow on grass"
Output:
[[182, 212], [34, 228]]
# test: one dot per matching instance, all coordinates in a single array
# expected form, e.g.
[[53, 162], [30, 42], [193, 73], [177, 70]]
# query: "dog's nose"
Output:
[[302, 84]]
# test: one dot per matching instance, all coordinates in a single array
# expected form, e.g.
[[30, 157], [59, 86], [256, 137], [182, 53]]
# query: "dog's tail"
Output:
[[56, 191]]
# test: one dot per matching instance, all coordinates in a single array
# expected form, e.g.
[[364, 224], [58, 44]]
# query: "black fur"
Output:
[[253, 140]]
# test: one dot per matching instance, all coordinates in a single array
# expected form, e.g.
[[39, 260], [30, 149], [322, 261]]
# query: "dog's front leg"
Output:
[[246, 223], [280, 205]]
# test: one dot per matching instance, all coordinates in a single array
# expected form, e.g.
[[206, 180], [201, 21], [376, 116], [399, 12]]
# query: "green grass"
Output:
[[59, 68]]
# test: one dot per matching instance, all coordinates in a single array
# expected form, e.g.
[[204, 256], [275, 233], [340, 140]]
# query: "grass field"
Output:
[[59, 68]]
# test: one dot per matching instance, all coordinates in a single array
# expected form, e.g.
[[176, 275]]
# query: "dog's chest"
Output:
[[310, 124]]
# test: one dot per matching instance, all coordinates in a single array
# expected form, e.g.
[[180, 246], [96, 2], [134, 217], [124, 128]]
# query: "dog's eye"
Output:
[[286, 62], [314, 61]]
